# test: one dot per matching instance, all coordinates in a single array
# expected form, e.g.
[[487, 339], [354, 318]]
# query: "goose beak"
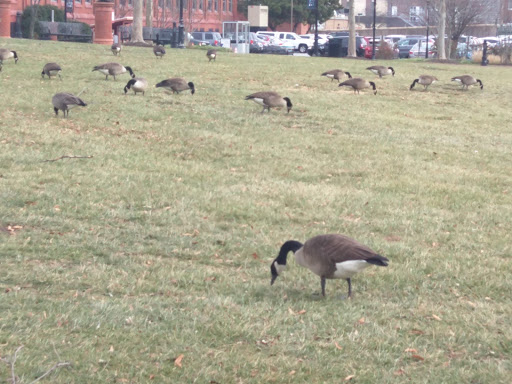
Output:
[[274, 277]]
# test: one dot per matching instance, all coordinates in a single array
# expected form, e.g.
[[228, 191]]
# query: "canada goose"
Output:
[[357, 84], [116, 49], [177, 85], [113, 69], [138, 84], [328, 256], [270, 100], [51, 69], [159, 51], [65, 101], [424, 80], [467, 80], [336, 74], [381, 70], [5, 54], [211, 54]]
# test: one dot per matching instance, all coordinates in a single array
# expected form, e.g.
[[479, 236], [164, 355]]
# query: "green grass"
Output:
[[160, 244]]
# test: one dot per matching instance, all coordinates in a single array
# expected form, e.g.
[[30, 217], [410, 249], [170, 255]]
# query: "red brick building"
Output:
[[198, 15]]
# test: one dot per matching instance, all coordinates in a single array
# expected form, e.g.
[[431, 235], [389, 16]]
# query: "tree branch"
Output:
[[58, 365], [67, 157]]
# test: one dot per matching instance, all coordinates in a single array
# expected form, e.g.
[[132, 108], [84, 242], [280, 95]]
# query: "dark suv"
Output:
[[211, 37], [338, 46]]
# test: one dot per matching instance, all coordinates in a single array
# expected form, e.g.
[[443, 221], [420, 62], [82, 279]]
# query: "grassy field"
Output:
[[149, 261]]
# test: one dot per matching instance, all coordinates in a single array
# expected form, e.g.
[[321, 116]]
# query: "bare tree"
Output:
[[34, 13], [137, 22], [351, 29], [441, 30]]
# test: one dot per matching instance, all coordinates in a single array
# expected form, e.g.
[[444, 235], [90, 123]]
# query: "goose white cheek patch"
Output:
[[279, 268]]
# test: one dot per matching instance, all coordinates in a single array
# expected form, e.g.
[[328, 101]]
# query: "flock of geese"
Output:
[[330, 256]]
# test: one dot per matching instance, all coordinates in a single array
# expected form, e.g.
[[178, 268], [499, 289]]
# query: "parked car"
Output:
[[213, 38], [256, 46], [378, 42], [418, 50], [395, 38], [289, 39], [190, 40], [405, 45], [338, 46], [322, 39]]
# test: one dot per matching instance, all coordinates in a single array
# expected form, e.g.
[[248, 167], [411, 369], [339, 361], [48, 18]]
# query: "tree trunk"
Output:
[[34, 11], [441, 30], [351, 29], [149, 13], [137, 22]]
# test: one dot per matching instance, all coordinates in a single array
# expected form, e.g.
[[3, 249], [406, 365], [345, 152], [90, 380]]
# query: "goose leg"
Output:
[[322, 283], [56, 111], [349, 288]]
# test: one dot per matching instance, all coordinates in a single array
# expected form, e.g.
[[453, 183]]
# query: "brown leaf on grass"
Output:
[[435, 317], [417, 332], [399, 372], [291, 373], [349, 377], [418, 357], [301, 312], [337, 345], [255, 256], [412, 350], [177, 361], [361, 320], [151, 377]]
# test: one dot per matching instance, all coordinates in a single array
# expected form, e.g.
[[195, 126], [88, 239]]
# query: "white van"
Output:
[[289, 38]]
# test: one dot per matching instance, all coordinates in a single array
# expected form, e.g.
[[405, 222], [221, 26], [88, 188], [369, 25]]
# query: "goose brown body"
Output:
[[381, 70], [116, 49], [6, 54], [113, 69], [177, 85], [357, 84], [137, 84], [211, 54], [467, 80], [159, 51], [270, 100], [65, 101], [424, 80], [331, 256], [336, 74], [51, 69]]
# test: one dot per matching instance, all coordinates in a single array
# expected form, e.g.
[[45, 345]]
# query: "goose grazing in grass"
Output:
[[467, 80], [424, 80], [270, 100], [336, 74], [138, 84], [51, 69], [6, 54], [177, 85], [159, 51], [65, 101], [211, 54], [113, 69], [328, 256], [356, 83], [381, 70], [116, 49]]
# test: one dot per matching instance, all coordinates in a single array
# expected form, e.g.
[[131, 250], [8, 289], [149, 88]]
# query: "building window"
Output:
[[201, 5], [224, 5], [160, 4], [78, 1], [122, 3], [510, 5], [168, 4], [230, 5], [216, 5], [415, 12], [130, 3], [394, 10], [185, 4], [194, 4], [88, 1], [209, 5]]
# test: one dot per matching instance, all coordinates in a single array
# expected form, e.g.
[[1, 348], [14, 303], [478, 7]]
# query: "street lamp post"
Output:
[[426, 49], [181, 27], [374, 22]]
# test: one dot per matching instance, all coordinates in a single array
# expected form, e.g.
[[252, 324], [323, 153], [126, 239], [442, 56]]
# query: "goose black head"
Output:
[[192, 87], [289, 104], [15, 57], [129, 69], [348, 74], [481, 84], [392, 70], [129, 84], [279, 263], [374, 87]]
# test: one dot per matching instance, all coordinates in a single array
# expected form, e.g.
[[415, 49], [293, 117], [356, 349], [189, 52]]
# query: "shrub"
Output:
[[44, 13], [385, 51]]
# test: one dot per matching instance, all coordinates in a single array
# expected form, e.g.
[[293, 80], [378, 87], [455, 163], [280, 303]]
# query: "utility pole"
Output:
[[291, 19], [426, 49], [181, 27], [374, 22]]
